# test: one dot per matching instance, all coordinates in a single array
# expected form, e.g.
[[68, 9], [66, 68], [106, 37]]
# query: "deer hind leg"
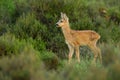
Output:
[[71, 51], [77, 51], [99, 53], [96, 51]]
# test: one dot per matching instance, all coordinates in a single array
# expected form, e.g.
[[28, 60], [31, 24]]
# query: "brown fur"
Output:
[[76, 38]]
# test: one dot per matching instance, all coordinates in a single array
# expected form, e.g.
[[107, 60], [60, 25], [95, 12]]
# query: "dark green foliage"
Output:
[[50, 59], [3, 28], [114, 32], [7, 9], [9, 45], [27, 27], [110, 53]]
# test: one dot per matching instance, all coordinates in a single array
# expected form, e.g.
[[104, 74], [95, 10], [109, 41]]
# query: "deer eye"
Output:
[[61, 21]]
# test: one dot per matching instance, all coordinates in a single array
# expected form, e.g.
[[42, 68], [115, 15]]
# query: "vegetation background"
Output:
[[32, 48]]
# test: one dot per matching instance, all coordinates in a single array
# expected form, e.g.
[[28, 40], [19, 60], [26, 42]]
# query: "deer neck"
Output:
[[66, 31]]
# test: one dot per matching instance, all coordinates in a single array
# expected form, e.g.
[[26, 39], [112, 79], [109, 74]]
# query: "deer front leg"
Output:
[[71, 51], [77, 51]]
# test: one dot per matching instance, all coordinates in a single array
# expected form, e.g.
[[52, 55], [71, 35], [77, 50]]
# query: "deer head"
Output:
[[63, 21]]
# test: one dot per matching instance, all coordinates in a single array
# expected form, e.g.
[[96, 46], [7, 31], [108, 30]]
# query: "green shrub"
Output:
[[105, 37], [115, 34], [21, 6], [114, 71], [110, 53], [28, 28], [50, 60], [10, 45], [24, 66], [7, 9], [79, 71], [3, 28], [38, 44]]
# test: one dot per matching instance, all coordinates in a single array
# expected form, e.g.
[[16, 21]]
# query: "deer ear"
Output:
[[65, 17], [62, 15]]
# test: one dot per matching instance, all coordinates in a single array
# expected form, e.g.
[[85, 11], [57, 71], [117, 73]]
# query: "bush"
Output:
[[110, 53], [3, 28], [24, 66], [50, 60], [114, 34], [28, 28], [9, 45], [7, 9], [38, 44], [114, 71]]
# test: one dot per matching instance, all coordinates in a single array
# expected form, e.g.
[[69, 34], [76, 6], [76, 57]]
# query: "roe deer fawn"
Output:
[[75, 38]]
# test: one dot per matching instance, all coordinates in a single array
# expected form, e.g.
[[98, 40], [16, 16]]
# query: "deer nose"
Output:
[[56, 24]]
